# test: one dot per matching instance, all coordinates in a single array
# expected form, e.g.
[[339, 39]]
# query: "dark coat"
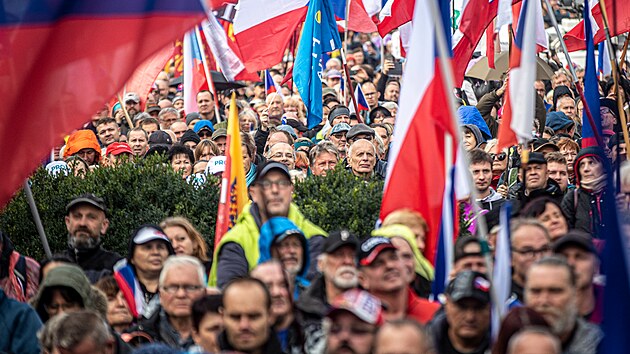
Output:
[[272, 346], [95, 262]]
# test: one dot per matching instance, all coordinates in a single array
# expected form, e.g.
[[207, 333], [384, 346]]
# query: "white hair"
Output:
[[350, 148], [182, 260]]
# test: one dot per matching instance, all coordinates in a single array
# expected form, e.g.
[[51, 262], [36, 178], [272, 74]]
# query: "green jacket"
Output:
[[246, 231]]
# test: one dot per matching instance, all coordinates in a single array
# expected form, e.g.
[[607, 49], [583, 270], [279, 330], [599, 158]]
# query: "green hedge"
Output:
[[151, 191]]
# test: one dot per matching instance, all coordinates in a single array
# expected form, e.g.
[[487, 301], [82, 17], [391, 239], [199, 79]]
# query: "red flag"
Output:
[[67, 59], [144, 76], [358, 19], [401, 12], [490, 45], [618, 15]]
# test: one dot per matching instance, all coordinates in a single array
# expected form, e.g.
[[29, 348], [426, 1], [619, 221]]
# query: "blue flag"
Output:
[[319, 36], [591, 88]]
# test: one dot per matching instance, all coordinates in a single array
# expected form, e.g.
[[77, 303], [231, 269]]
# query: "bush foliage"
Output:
[[136, 194]]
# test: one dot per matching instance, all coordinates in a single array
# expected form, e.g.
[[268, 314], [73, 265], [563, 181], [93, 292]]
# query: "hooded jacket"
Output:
[[237, 253], [470, 115], [584, 208], [477, 133], [82, 139]]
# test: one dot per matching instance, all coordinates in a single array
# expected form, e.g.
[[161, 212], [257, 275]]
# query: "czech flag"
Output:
[[517, 123], [362, 104], [270, 85], [618, 13], [422, 155], [194, 71], [62, 60], [591, 87], [233, 184]]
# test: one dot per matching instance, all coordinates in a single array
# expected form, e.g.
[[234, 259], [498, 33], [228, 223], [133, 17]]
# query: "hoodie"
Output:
[[477, 133], [471, 115]]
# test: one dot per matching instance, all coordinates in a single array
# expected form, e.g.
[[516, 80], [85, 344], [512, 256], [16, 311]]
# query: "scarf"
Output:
[[251, 174], [595, 184]]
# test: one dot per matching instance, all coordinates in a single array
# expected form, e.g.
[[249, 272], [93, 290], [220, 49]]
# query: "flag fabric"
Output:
[[130, 287], [270, 85], [178, 58], [618, 13], [194, 72], [517, 122], [591, 86], [227, 60], [233, 183], [475, 18], [502, 271], [144, 76], [417, 169], [490, 37], [444, 254], [394, 14], [55, 79], [263, 28], [319, 36], [504, 14], [603, 61], [362, 104], [361, 14]]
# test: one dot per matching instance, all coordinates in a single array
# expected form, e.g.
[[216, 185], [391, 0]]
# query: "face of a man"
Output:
[[283, 153], [529, 244], [290, 253], [371, 94], [584, 265], [108, 133], [569, 155], [168, 119], [150, 128], [340, 267], [273, 276], [566, 105], [323, 163], [401, 340], [181, 287], [559, 173], [209, 328], [384, 275], [86, 224], [205, 103], [474, 262], [363, 158], [540, 89], [406, 257], [348, 334], [608, 119], [273, 194], [88, 154], [468, 319], [340, 141], [382, 132], [549, 291], [87, 346], [482, 176], [138, 142], [561, 80], [132, 107], [536, 176], [276, 109], [179, 128], [392, 92], [246, 317]]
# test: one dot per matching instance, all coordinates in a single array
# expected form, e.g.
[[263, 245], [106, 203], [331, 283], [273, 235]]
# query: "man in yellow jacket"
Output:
[[238, 251]]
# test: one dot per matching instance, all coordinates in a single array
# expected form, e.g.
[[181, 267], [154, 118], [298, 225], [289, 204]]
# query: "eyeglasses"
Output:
[[188, 289], [204, 134], [339, 135], [281, 184], [532, 252], [500, 156]]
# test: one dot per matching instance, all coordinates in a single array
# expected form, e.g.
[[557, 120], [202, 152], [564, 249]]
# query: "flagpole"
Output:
[[343, 55], [36, 218], [206, 71], [615, 72], [124, 109], [447, 75], [591, 120]]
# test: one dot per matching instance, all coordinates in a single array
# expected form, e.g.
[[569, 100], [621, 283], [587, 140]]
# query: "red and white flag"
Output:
[[263, 28], [228, 61], [618, 14], [194, 71], [517, 122], [416, 174], [394, 14]]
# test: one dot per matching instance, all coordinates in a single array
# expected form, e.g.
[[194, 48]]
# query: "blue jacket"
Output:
[[19, 324]]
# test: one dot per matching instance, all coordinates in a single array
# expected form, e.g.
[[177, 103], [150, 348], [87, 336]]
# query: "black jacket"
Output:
[[516, 193], [158, 329], [272, 346], [584, 210], [312, 306], [438, 329], [96, 262]]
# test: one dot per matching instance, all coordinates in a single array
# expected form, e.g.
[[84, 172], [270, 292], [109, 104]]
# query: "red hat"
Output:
[[119, 148]]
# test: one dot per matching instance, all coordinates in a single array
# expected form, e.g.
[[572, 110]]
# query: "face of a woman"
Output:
[[117, 311], [590, 168], [181, 162], [554, 221], [149, 257], [182, 244], [206, 154]]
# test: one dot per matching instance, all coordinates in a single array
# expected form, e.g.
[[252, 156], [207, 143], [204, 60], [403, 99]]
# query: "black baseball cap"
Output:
[[461, 243], [270, 166], [373, 246], [469, 284], [575, 238], [89, 199], [338, 239], [536, 158]]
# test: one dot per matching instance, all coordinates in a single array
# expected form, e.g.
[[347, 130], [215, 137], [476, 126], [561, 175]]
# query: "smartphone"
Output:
[[397, 70]]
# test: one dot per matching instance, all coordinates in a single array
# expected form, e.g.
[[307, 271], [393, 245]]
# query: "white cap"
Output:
[[148, 234], [58, 167], [216, 165]]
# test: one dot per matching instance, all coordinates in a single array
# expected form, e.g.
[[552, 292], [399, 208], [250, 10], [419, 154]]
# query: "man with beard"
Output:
[[132, 103], [551, 290], [284, 322], [86, 222], [338, 267]]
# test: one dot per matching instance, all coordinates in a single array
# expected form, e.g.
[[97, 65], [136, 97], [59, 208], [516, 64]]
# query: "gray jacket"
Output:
[[585, 340]]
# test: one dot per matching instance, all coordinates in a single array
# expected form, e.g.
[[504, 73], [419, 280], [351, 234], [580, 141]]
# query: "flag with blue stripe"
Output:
[[591, 88], [319, 35]]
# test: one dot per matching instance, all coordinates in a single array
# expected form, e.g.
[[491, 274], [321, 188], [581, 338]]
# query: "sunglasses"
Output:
[[204, 134], [500, 156]]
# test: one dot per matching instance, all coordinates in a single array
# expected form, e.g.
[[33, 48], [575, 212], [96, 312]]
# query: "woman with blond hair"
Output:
[[186, 240]]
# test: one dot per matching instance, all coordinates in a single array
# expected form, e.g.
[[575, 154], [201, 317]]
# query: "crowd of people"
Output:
[[279, 283]]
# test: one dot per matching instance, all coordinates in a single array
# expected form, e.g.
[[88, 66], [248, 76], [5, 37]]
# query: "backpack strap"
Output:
[[20, 272]]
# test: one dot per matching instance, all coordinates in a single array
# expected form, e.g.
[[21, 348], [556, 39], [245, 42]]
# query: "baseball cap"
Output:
[[280, 228], [575, 238], [190, 117], [359, 129], [371, 247], [119, 148], [461, 243], [329, 91], [204, 123], [537, 158], [131, 96], [333, 74], [160, 137], [469, 284], [288, 129], [269, 166], [219, 133], [340, 127], [147, 233], [363, 305], [87, 198], [154, 108], [216, 165], [338, 239], [56, 168], [538, 144]]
